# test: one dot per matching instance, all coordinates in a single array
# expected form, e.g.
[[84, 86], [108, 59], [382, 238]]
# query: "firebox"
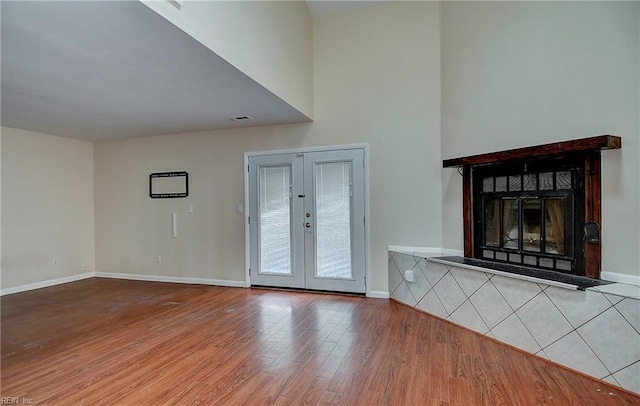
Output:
[[536, 207], [528, 213]]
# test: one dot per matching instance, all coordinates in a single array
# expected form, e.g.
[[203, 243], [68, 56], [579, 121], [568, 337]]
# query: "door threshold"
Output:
[[304, 290]]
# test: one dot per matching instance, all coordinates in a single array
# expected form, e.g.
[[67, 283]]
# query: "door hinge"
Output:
[[249, 271], [249, 219], [247, 168], [364, 220]]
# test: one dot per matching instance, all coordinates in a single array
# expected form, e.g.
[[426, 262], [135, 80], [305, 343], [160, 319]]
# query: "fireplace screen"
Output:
[[526, 215]]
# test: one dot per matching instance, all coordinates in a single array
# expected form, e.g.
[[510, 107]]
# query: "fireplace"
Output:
[[528, 213], [536, 208]]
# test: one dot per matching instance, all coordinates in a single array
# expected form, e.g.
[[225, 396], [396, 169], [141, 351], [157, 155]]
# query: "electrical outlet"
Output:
[[55, 261], [85, 266]]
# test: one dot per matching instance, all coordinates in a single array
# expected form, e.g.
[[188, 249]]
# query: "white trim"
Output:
[[620, 278], [364, 146], [377, 294], [247, 230], [367, 227], [46, 284], [452, 253], [411, 250], [171, 279], [416, 251]]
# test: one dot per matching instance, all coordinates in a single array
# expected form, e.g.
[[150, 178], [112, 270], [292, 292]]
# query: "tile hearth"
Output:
[[592, 331]]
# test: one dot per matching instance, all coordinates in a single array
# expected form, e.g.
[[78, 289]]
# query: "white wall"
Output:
[[516, 74], [377, 80], [47, 207], [513, 74], [269, 41]]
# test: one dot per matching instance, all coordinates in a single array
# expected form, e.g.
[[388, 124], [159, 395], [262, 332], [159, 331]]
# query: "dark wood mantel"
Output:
[[586, 149], [596, 143]]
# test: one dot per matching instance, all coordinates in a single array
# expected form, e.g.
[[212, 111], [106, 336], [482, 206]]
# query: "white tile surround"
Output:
[[596, 331]]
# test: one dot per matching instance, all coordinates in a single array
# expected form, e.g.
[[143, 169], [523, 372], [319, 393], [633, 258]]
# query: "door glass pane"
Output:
[[492, 222], [554, 226], [274, 211], [333, 219], [531, 224], [510, 221]]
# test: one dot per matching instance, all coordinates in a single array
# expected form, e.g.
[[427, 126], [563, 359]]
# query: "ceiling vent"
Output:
[[241, 118]]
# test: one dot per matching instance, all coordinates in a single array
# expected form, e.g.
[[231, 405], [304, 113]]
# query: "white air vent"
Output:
[[241, 118]]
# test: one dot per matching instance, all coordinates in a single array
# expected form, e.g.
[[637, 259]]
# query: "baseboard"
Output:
[[171, 279], [46, 284], [620, 278], [452, 253], [376, 294]]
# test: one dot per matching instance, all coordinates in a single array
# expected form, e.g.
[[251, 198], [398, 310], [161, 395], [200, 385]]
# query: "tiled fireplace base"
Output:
[[589, 331]]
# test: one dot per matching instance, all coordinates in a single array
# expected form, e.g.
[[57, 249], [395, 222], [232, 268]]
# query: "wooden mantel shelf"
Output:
[[596, 143]]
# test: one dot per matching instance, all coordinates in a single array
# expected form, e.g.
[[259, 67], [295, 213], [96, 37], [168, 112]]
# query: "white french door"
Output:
[[306, 220]]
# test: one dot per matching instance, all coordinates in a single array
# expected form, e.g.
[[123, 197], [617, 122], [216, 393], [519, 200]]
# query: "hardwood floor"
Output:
[[108, 342]]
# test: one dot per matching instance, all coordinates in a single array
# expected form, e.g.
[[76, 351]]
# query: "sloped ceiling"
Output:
[[115, 69]]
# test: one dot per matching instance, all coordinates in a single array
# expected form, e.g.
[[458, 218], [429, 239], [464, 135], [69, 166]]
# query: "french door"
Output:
[[306, 220]]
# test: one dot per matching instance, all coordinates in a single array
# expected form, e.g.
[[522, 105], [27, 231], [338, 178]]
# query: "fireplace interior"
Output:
[[527, 213], [535, 210]]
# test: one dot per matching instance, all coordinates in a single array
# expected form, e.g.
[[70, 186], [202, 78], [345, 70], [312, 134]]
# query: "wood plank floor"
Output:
[[108, 342]]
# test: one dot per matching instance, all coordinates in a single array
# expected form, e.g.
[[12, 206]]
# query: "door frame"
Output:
[[247, 232]]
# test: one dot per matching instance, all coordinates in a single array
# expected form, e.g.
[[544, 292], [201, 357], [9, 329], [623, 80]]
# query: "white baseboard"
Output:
[[172, 279], [376, 294], [620, 278], [46, 284], [452, 253]]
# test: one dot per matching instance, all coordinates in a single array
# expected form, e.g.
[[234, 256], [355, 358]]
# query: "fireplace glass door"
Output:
[[526, 217]]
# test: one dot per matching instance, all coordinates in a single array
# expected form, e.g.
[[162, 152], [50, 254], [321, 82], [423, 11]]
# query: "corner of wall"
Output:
[[271, 42], [49, 231]]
